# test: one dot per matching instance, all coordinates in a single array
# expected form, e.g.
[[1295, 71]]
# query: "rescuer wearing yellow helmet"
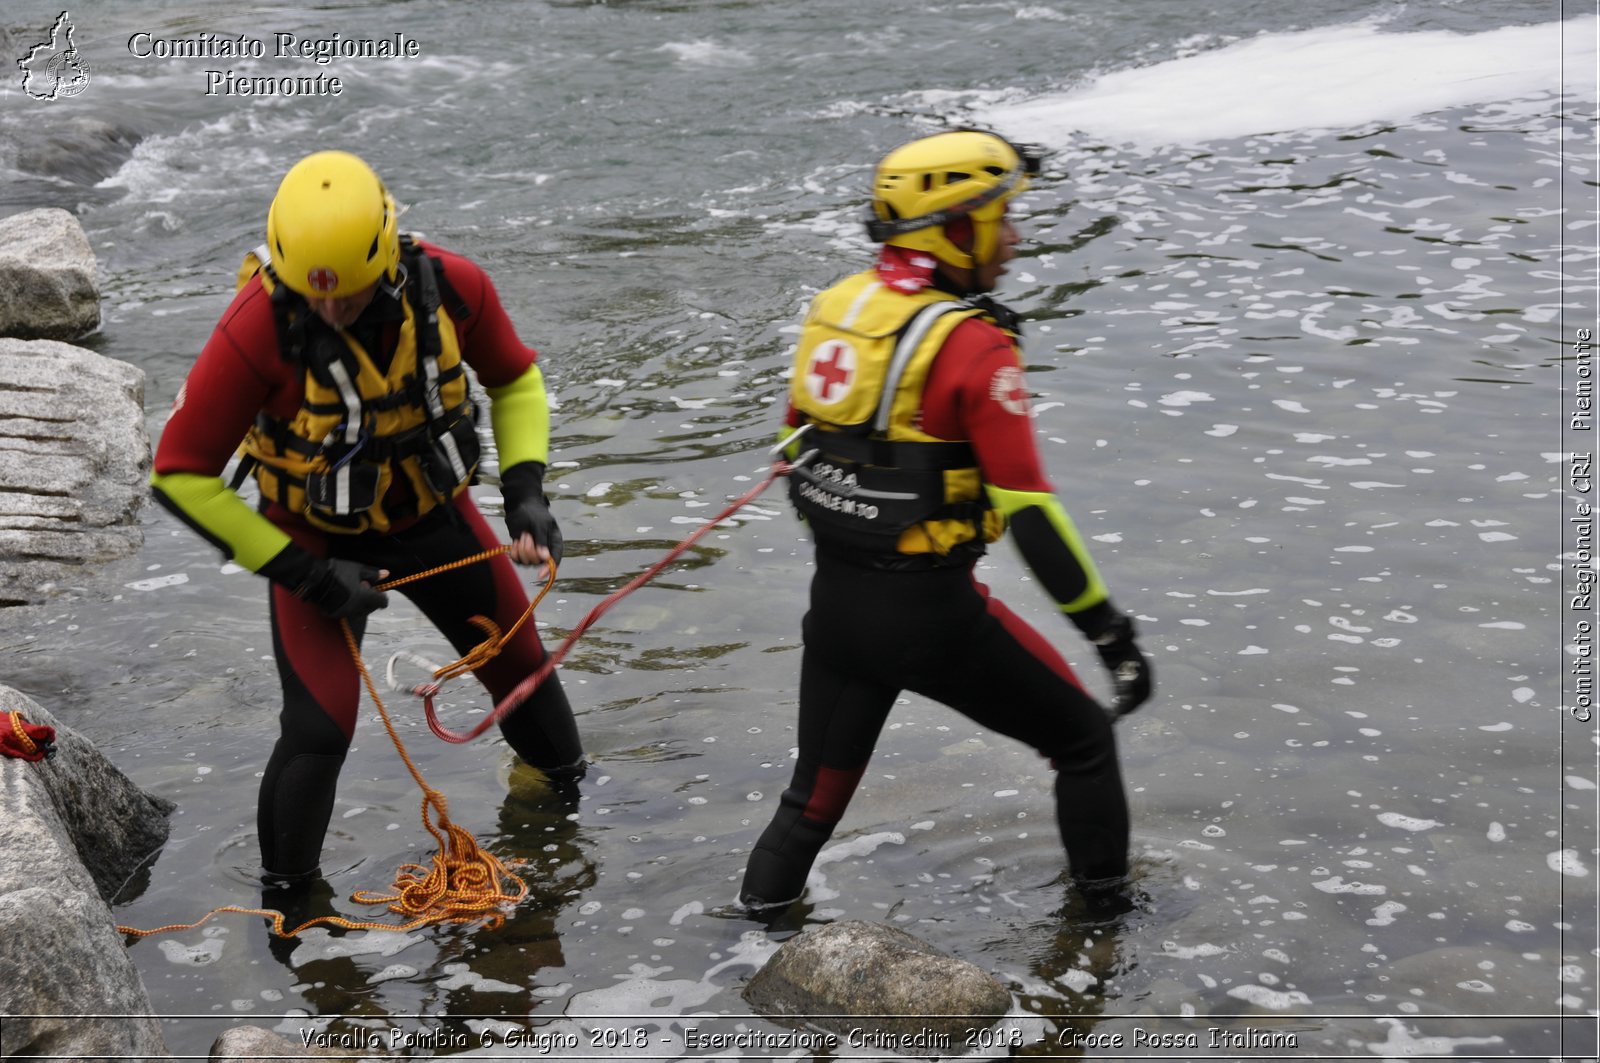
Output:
[[919, 452], [342, 364]]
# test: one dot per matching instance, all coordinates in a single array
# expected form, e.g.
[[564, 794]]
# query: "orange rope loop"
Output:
[[525, 689]]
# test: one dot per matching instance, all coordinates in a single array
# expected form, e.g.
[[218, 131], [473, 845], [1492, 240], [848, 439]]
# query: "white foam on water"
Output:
[[460, 976], [394, 972], [1191, 952], [865, 845], [199, 955], [1568, 862], [1040, 13], [317, 943], [1404, 1042], [1383, 914], [1337, 884], [1273, 999], [706, 53], [1335, 77], [1404, 822]]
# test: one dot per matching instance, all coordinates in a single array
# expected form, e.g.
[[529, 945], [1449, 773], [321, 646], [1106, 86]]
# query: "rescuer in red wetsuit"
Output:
[[908, 379], [341, 365]]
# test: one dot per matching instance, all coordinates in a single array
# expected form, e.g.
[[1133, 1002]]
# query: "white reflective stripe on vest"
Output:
[[352, 401], [910, 340], [430, 369], [851, 314], [352, 433]]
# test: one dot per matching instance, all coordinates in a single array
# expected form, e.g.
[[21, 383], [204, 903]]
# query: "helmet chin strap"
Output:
[[946, 280], [965, 284]]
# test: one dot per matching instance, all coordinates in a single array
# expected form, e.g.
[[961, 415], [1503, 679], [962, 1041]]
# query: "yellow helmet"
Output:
[[332, 229], [921, 186]]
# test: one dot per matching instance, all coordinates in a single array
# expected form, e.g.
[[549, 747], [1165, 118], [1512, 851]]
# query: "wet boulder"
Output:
[[74, 460], [76, 830], [878, 986], [254, 1043], [47, 277]]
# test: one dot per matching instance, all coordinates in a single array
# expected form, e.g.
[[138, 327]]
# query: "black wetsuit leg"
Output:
[[870, 634], [322, 688]]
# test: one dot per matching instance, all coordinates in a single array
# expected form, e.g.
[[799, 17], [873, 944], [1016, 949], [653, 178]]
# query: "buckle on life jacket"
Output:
[[347, 486], [448, 457]]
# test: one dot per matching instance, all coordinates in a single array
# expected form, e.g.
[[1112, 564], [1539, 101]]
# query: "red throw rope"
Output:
[[525, 689]]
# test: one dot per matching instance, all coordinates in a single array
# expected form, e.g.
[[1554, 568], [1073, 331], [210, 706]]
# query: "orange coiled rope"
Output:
[[463, 884]]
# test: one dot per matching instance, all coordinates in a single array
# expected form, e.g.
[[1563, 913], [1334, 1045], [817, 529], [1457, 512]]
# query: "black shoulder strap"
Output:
[[422, 290], [453, 303], [292, 315], [447, 297], [1001, 314]]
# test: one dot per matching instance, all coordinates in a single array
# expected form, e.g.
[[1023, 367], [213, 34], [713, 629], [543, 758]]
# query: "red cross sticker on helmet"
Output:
[[831, 371], [322, 279]]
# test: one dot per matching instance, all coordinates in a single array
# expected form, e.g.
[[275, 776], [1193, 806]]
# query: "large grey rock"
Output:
[[78, 795], [74, 830], [881, 982], [74, 460], [47, 277]]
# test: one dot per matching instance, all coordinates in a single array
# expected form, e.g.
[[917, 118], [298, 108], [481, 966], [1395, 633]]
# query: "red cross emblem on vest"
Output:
[[322, 279], [831, 371]]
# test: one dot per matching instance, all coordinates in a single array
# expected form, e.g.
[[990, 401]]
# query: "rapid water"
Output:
[[1300, 282]]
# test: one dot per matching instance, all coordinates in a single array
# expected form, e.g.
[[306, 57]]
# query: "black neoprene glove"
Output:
[[1132, 679], [345, 590], [527, 508], [341, 589]]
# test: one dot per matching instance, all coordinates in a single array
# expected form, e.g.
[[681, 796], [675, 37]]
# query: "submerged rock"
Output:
[[880, 987], [74, 459], [74, 831], [47, 277]]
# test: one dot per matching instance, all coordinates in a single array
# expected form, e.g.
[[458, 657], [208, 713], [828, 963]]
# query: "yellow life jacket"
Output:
[[367, 446], [879, 485]]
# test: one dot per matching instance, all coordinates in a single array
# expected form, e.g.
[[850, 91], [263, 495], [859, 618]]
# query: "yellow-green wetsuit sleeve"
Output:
[[218, 514], [519, 415]]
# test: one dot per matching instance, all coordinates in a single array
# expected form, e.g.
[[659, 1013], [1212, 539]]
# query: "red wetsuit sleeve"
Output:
[[489, 341], [238, 374], [975, 391]]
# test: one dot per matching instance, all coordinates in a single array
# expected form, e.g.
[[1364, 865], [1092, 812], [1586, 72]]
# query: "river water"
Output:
[[1301, 282]]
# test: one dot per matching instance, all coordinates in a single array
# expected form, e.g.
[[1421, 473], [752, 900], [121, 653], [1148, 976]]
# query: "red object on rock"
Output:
[[28, 741]]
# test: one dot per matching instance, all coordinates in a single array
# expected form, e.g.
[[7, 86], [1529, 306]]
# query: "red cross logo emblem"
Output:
[[1007, 389], [322, 279], [833, 365]]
